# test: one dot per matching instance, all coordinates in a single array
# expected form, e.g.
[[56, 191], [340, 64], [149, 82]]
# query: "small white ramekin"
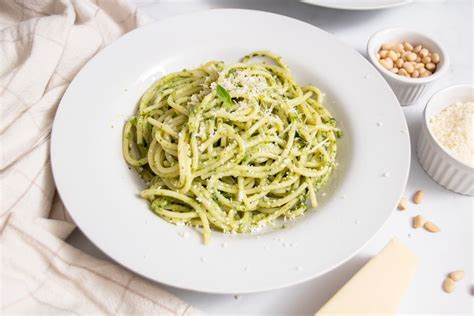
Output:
[[438, 163], [407, 90]]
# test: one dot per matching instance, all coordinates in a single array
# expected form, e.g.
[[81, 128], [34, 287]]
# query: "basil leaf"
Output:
[[223, 94]]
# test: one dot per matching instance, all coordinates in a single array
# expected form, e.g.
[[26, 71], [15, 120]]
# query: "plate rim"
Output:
[[355, 8]]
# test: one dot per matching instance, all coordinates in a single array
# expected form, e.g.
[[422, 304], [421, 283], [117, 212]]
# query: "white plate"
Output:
[[101, 193], [358, 4]]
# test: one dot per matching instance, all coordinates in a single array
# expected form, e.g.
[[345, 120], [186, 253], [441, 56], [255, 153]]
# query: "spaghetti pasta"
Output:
[[231, 147]]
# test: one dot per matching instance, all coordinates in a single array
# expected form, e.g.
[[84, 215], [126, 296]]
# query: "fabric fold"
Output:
[[43, 45]]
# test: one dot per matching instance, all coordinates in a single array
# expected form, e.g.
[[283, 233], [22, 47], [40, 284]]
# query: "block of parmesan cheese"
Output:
[[378, 287]]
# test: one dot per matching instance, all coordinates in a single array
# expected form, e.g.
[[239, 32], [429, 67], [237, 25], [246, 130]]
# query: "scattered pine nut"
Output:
[[403, 204], [457, 275], [418, 221], [432, 228], [449, 285], [418, 197]]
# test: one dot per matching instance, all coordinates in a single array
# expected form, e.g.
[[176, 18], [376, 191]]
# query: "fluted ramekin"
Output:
[[407, 90], [438, 163]]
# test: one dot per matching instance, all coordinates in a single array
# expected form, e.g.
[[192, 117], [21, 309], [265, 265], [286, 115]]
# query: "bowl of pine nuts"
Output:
[[409, 61]]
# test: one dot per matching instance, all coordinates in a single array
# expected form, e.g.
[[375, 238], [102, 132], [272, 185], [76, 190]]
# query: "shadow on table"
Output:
[[329, 19], [312, 294]]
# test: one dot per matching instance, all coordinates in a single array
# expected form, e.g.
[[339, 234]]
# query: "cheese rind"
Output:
[[378, 287]]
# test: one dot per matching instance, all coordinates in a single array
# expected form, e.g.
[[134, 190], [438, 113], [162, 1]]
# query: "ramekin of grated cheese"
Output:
[[446, 141]]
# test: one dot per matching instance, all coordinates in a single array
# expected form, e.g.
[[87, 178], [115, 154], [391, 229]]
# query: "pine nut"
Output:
[[418, 59], [408, 67], [418, 221], [419, 66], [448, 285], [393, 56], [435, 58], [423, 52], [403, 72], [411, 57], [426, 74], [418, 197], [387, 46], [426, 60], [415, 74], [417, 48], [432, 228], [399, 62], [383, 53], [456, 275], [399, 48], [430, 66], [403, 204], [394, 70], [408, 46], [387, 63]]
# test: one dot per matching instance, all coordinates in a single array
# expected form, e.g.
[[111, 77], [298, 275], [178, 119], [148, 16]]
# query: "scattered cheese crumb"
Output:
[[183, 234], [242, 83], [453, 128]]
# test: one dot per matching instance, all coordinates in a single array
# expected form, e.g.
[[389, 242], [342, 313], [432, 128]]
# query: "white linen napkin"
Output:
[[43, 44]]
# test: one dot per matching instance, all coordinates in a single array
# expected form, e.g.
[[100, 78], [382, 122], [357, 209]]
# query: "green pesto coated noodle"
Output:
[[233, 147]]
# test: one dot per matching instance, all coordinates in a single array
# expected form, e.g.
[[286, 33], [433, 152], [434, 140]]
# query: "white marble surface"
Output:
[[449, 21]]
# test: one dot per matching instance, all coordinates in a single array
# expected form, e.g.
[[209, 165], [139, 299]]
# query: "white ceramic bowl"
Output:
[[438, 163], [407, 90], [101, 193]]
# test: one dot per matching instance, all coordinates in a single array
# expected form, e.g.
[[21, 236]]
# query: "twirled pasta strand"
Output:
[[231, 166]]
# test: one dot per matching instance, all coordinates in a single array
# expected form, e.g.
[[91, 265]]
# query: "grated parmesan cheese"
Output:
[[453, 128], [242, 83]]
